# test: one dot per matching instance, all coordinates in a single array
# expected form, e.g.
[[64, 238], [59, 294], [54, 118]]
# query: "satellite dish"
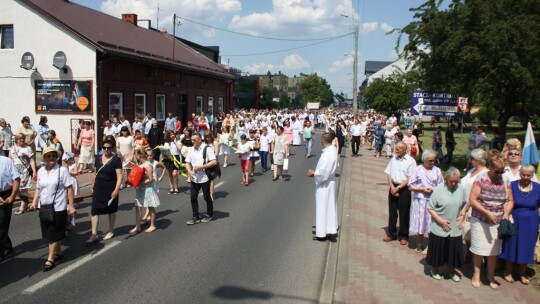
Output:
[[59, 60], [27, 61]]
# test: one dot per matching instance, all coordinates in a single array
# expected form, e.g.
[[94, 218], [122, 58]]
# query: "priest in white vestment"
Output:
[[325, 195], [296, 128]]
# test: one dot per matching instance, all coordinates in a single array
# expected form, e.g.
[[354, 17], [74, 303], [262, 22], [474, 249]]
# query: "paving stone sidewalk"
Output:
[[372, 271]]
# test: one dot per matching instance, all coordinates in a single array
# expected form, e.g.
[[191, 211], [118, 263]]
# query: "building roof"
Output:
[[374, 66], [112, 35]]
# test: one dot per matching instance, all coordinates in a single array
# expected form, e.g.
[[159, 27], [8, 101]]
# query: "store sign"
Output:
[[64, 96], [433, 104]]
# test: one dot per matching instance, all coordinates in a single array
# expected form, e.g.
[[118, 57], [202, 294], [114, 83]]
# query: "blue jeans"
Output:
[[264, 159], [309, 142]]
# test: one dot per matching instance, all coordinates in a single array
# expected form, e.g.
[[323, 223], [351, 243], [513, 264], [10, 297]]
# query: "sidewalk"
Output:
[[372, 271]]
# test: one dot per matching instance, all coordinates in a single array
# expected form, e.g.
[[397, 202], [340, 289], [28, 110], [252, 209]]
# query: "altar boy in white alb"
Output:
[[325, 195]]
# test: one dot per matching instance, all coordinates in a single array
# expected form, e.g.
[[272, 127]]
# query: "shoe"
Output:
[[122, 187], [108, 236], [92, 240], [49, 265], [389, 239], [508, 278], [128, 186], [194, 220], [58, 256], [242, 182], [494, 285], [207, 218], [403, 242], [320, 239], [274, 178], [424, 252], [224, 165], [246, 184], [436, 276], [455, 277], [418, 249], [176, 191], [524, 281], [134, 231], [19, 212], [171, 191], [150, 229]]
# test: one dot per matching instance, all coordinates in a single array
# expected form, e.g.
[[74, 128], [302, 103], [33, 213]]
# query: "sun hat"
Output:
[[67, 156], [49, 150]]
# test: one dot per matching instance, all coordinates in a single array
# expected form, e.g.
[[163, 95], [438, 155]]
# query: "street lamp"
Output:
[[355, 65]]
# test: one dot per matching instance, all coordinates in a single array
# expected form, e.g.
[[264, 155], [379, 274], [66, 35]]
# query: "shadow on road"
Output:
[[240, 293]]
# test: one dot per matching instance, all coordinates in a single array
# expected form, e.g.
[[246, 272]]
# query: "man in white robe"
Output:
[[296, 129], [325, 195]]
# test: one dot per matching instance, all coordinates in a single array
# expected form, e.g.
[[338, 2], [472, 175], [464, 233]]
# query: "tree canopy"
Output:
[[316, 89], [488, 50]]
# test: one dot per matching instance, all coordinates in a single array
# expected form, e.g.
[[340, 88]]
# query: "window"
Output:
[[220, 104], [140, 105], [210, 109], [116, 104], [160, 106], [6, 36], [199, 104]]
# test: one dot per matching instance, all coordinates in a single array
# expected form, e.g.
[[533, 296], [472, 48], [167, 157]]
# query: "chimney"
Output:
[[131, 18]]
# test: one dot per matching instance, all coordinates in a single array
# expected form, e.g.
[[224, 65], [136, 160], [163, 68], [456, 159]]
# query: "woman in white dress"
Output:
[[224, 140], [125, 147], [280, 151]]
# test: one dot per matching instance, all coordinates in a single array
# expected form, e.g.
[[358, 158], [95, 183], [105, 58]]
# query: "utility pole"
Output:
[[173, 35], [355, 71]]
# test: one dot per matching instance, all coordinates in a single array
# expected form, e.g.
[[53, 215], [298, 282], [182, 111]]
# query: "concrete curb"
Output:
[[334, 290]]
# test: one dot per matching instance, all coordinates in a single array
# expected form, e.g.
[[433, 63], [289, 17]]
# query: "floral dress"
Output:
[[21, 159], [146, 195]]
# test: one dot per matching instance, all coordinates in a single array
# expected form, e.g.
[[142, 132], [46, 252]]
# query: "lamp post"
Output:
[[355, 65]]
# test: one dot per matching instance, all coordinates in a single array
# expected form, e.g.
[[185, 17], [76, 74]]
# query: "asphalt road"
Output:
[[257, 249]]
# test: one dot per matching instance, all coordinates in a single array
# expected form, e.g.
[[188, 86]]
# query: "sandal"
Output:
[[19, 212], [176, 191], [525, 281], [134, 231], [171, 191], [475, 284], [494, 285], [508, 278], [48, 265], [150, 229], [274, 178]]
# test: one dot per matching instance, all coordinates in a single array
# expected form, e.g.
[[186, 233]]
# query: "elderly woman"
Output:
[[29, 133], [6, 136], [519, 248], [388, 141], [478, 160], [43, 132], [491, 200], [21, 155], [54, 188], [423, 180], [445, 207], [379, 139], [280, 150], [105, 188], [412, 143]]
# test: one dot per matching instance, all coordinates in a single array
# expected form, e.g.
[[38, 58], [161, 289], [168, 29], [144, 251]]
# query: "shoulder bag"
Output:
[[46, 212], [214, 171]]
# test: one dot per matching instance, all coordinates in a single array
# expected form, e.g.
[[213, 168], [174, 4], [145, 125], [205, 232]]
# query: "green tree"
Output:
[[284, 101], [316, 89], [488, 50], [266, 100], [392, 94]]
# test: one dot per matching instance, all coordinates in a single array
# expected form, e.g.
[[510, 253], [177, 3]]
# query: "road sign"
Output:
[[433, 104]]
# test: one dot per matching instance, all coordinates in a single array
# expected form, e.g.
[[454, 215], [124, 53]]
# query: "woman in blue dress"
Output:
[[379, 137], [519, 248]]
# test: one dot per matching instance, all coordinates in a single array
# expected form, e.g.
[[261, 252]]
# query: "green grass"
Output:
[[460, 153]]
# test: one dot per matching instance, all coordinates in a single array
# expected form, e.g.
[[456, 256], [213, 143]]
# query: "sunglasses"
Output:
[[107, 148], [513, 153]]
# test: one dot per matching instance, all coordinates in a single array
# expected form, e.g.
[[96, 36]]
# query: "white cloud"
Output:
[[386, 27], [369, 27], [306, 17], [340, 64], [393, 55], [291, 62], [147, 9]]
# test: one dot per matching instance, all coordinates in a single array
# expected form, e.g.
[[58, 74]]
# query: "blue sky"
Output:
[[285, 19]]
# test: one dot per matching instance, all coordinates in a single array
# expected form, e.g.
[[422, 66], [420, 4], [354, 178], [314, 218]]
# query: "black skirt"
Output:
[[169, 164], [445, 251], [55, 231]]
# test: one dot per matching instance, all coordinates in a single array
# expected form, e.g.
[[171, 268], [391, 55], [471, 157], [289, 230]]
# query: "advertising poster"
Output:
[[64, 96]]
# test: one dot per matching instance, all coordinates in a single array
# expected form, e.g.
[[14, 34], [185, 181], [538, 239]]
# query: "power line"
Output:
[[254, 36], [290, 49]]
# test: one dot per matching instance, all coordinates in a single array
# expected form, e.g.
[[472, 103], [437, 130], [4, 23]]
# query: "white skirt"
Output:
[[224, 149], [86, 156], [484, 240]]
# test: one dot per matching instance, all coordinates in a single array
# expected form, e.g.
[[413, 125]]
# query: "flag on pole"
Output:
[[530, 151]]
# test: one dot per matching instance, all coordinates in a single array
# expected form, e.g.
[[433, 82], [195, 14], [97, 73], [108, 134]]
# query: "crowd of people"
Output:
[[458, 215]]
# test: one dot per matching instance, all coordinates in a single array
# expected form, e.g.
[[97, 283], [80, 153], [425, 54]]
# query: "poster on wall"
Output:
[[64, 96]]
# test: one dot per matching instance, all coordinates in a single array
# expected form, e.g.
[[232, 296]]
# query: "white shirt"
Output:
[[109, 130], [8, 173], [400, 169], [511, 177], [47, 183], [265, 142], [137, 125], [195, 158], [356, 130], [148, 125]]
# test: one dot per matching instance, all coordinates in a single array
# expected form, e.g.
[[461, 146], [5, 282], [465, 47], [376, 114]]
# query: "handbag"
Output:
[[286, 164], [135, 176], [214, 171], [46, 212], [414, 151], [506, 229]]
